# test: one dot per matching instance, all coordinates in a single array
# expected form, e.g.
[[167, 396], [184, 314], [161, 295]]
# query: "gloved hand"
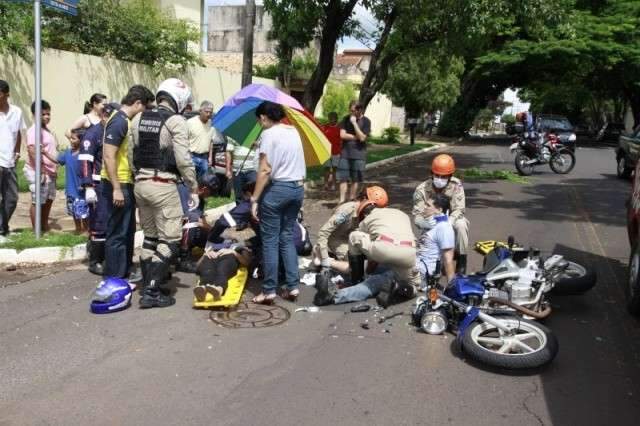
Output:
[[193, 202], [90, 195], [326, 262]]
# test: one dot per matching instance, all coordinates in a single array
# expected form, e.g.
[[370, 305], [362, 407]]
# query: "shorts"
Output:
[[47, 191], [333, 162], [350, 170], [217, 271]]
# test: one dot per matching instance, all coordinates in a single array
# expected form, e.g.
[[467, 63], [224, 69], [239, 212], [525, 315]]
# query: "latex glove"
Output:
[[194, 202], [90, 195]]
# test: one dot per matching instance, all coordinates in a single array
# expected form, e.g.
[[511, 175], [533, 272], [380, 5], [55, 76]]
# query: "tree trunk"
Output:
[[285, 56], [377, 72], [337, 15], [247, 52]]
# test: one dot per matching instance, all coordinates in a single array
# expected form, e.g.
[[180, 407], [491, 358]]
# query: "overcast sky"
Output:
[[365, 18]]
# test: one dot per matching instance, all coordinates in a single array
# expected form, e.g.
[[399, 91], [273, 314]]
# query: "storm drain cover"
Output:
[[251, 315]]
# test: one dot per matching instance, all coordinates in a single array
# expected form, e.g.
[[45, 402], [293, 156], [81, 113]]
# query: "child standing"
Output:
[[49, 150], [332, 132], [76, 205]]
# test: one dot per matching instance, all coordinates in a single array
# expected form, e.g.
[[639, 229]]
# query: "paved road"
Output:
[[61, 365]]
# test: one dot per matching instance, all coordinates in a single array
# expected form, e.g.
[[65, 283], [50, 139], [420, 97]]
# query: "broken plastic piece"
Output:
[[361, 307]]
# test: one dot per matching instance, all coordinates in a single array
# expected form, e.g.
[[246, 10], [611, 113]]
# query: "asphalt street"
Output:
[[61, 365]]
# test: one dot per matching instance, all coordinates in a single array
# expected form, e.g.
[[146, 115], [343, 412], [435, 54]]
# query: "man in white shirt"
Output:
[[200, 134], [12, 132], [241, 166]]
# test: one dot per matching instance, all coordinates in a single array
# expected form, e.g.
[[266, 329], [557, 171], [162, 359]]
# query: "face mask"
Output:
[[439, 182]]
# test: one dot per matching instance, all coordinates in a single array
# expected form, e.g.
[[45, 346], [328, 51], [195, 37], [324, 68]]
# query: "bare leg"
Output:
[[78, 224], [46, 209], [344, 186], [32, 215], [353, 191], [332, 179], [327, 178]]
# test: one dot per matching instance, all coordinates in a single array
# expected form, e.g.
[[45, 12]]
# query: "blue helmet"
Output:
[[80, 208], [111, 295]]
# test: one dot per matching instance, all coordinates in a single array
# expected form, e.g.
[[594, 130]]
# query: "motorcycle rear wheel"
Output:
[[576, 279], [562, 162], [530, 345], [521, 164]]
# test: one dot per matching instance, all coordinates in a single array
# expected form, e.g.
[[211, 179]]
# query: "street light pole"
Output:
[[38, 118], [247, 54]]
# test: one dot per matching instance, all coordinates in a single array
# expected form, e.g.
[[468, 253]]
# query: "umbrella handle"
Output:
[[244, 160]]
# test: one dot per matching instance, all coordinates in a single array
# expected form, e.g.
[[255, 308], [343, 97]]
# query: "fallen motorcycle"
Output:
[[489, 336], [542, 149]]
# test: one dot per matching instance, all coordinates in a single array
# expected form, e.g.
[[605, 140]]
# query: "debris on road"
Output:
[[361, 307], [312, 309]]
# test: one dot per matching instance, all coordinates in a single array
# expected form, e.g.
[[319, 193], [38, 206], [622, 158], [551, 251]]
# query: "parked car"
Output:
[[610, 132], [560, 125], [633, 231], [627, 153]]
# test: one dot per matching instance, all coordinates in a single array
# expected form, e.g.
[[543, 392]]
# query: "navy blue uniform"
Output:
[[89, 167], [192, 233]]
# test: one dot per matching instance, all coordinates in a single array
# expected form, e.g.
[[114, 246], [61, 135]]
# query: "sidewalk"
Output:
[[58, 218]]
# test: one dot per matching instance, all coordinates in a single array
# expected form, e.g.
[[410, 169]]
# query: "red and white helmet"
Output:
[[177, 90]]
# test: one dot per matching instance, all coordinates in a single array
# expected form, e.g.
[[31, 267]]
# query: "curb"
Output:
[[10, 258]]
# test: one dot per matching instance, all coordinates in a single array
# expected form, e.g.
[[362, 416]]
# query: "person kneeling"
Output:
[[216, 268]]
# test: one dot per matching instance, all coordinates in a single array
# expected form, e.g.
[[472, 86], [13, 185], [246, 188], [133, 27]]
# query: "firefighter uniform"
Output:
[[385, 236], [455, 192], [160, 155], [333, 237]]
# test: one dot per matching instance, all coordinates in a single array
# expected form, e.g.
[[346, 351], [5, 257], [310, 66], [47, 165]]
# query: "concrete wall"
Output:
[[226, 30], [69, 79]]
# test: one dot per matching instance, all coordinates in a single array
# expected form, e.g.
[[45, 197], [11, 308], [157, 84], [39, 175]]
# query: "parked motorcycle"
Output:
[[541, 149], [493, 337]]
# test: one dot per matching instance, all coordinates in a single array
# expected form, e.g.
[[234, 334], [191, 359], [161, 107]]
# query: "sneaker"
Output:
[[200, 292], [134, 278], [325, 289], [214, 290], [153, 298]]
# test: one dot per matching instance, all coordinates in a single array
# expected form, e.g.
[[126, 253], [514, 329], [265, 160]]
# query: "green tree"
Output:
[[136, 31], [337, 97]]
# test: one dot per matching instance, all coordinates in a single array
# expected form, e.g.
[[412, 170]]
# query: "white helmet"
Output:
[[177, 90]]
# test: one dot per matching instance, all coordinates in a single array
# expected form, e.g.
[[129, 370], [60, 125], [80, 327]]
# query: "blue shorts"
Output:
[[333, 162], [350, 170]]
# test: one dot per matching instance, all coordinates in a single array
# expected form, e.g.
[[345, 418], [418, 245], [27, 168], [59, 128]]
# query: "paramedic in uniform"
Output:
[[385, 236], [160, 156], [442, 181], [333, 236]]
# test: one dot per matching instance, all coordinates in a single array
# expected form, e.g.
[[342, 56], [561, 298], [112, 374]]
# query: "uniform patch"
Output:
[[87, 145], [341, 218]]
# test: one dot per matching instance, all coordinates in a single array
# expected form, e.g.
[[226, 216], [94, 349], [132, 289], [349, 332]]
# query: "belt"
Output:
[[158, 179], [292, 182], [396, 242], [197, 154], [95, 177]]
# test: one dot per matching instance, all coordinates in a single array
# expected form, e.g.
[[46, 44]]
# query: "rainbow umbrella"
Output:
[[237, 120]]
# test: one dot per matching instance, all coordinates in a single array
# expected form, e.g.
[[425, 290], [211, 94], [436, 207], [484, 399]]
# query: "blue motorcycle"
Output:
[[494, 337]]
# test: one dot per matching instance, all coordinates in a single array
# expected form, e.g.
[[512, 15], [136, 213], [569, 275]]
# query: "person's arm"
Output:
[[447, 260], [347, 136], [80, 123], [457, 203], [360, 135], [19, 139], [337, 219], [228, 159], [115, 133], [180, 132], [264, 174], [419, 204]]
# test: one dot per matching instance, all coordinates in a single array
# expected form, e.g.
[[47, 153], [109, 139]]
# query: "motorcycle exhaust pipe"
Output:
[[537, 315]]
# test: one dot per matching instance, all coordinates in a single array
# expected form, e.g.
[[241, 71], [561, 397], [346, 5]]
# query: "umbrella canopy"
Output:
[[237, 120]]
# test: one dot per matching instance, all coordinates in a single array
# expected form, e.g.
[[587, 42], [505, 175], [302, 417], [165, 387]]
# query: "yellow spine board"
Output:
[[231, 297]]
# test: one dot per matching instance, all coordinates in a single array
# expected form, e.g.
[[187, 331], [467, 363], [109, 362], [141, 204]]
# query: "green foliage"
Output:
[[483, 119], [337, 97], [391, 135], [266, 71], [135, 31], [16, 23], [27, 239], [508, 119], [422, 81], [23, 183], [477, 174]]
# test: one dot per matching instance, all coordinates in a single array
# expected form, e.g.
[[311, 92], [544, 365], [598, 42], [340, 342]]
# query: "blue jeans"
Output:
[[366, 289], [278, 210], [240, 180], [121, 229], [201, 163]]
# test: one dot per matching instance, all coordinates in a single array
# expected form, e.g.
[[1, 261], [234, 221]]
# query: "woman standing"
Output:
[[277, 199], [92, 114]]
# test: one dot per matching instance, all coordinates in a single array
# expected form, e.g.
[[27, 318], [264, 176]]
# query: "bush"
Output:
[[337, 98], [508, 119], [391, 135]]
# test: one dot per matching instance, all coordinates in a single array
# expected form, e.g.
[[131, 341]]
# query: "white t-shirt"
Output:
[[283, 148], [10, 124], [431, 244]]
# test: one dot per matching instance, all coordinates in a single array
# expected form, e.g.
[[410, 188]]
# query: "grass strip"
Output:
[[477, 174], [27, 239]]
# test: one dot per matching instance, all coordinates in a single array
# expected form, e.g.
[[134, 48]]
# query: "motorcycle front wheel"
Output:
[[576, 279], [528, 345], [562, 162], [522, 165]]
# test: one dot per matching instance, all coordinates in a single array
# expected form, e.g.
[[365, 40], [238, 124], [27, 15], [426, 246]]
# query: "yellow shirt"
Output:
[[116, 133], [200, 135]]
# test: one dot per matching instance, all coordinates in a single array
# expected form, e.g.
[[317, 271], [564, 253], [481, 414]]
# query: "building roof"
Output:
[[342, 60]]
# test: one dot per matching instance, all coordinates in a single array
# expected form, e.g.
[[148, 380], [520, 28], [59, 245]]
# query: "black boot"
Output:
[[356, 265], [95, 250], [386, 296], [152, 297], [461, 264], [185, 263], [325, 289], [144, 270]]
